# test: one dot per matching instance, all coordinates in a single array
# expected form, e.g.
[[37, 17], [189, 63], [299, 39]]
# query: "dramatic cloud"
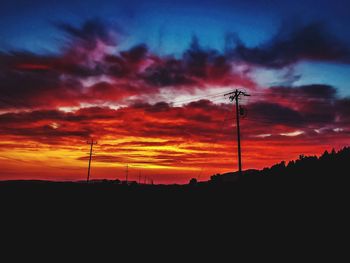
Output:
[[50, 104], [91, 32], [33, 84], [275, 113], [302, 106], [90, 68], [343, 110], [161, 136], [290, 45]]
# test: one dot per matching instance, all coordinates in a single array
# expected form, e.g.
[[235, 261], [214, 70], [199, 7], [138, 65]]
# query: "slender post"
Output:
[[234, 96], [127, 173], [91, 144], [238, 136]]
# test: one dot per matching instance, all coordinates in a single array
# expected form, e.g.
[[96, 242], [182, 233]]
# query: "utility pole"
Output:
[[139, 177], [91, 144], [234, 96], [127, 173]]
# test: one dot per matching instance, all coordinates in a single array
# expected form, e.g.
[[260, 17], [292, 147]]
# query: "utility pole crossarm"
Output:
[[235, 94], [244, 93]]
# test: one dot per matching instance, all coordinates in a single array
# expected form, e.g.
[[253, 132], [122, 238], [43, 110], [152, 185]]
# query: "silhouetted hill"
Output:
[[322, 178], [328, 169], [308, 195]]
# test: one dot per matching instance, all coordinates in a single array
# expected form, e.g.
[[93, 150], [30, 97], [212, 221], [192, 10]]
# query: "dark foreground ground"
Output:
[[309, 182], [246, 195], [291, 219], [298, 208]]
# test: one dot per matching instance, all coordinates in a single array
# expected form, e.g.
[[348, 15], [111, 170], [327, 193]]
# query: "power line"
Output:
[[217, 96], [201, 97]]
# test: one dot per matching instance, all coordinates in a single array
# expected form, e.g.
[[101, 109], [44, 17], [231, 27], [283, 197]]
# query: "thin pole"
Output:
[[234, 96], [91, 144], [127, 173], [238, 136]]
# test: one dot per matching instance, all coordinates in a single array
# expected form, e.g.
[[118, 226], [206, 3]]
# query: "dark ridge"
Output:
[[308, 195], [330, 169]]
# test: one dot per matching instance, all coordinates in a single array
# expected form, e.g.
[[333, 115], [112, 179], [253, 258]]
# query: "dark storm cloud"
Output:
[[31, 83], [127, 64], [167, 72], [60, 64], [149, 143], [343, 109], [90, 32], [44, 132], [34, 116], [314, 91], [206, 64], [153, 121], [104, 158], [35, 81], [135, 54], [200, 121], [315, 102], [290, 45], [197, 64], [301, 106], [49, 116], [275, 113]]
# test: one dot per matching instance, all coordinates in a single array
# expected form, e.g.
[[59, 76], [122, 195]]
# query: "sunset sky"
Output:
[[146, 80]]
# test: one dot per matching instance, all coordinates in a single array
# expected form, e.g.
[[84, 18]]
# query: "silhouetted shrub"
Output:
[[193, 181]]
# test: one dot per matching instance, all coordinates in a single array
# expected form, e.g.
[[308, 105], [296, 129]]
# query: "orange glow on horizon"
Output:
[[156, 158]]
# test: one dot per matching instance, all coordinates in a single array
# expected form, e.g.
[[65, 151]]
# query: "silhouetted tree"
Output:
[[193, 181], [307, 170]]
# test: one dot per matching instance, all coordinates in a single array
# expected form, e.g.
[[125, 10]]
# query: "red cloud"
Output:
[[191, 136], [89, 69]]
